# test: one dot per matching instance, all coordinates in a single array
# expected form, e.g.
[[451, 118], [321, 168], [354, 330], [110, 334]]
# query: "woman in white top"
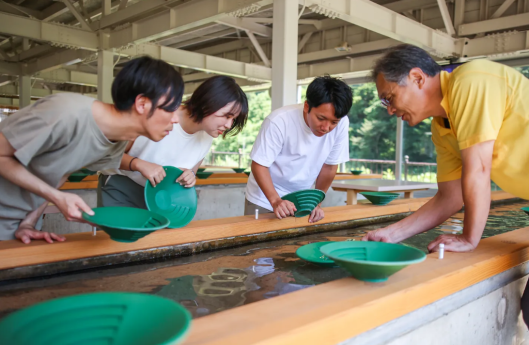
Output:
[[217, 107]]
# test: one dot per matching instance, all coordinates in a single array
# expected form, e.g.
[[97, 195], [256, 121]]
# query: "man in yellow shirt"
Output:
[[480, 129]]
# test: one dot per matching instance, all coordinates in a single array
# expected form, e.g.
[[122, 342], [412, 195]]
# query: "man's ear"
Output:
[[142, 105], [418, 77], [306, 107]]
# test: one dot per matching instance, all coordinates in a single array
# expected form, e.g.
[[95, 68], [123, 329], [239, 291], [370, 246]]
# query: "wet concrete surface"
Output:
[[210, 282]]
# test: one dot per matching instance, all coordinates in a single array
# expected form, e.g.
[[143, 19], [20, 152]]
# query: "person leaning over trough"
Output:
[[218, 107], [298, 146], [480, 129], [40, 145]]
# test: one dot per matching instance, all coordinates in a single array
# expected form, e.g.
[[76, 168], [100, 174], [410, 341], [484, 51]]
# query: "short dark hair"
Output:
[[151, 78], [397, 62], [327, 89], [214, 94]]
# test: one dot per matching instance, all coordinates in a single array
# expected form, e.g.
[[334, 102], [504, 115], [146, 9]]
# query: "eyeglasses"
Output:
[[386, 102]]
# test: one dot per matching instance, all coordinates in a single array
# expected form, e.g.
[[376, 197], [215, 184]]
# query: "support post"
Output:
[[106, 7], [284, 53], [105, 75], [399, 149], [406, 162], [24, 91]]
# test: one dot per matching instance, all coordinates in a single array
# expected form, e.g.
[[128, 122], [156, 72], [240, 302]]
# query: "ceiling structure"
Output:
[[57, 45]]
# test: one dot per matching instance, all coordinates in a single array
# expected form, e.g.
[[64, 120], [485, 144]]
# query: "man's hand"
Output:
[[283, 208], [379, 235], [316, 214], [71, 206], [187, 179], [27, 233], [453, 243], [153, 172]]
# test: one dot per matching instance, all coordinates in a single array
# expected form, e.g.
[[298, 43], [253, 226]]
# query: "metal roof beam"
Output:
[[496, 24], [386, 22], [56, 34], [246, 25], [201, 62], [55, 61], [181, 18]]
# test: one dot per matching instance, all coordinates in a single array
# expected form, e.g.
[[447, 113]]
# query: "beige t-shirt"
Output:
[[53, 137]]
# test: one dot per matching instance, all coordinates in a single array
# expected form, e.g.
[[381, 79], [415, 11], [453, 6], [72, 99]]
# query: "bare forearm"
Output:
[[32, 217], [126, 162], [433, 213], [326, 176], [264, 181], [16, 173], [476, 193]]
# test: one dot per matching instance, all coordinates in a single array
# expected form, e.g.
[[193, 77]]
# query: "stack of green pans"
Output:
[[172, 200], [526, 210], [305, 200], [126, 224], [115, 318], [380, 198], [372, 261], [356, 172]]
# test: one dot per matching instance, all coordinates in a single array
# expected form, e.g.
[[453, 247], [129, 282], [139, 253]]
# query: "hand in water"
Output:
[[379, 235]]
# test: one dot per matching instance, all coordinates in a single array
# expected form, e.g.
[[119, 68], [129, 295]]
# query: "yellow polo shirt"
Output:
[[485, 101]]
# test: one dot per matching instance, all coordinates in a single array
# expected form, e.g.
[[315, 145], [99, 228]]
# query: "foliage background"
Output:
[[372, 131]]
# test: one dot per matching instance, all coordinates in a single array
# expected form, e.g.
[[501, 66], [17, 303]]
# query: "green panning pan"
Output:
[[372, 261], [172, 200], [239, 170], [116, 318], [305, 200], [204, 175], [526, 210], [380, 198], [126, 224], [311, 253], [356, 172]]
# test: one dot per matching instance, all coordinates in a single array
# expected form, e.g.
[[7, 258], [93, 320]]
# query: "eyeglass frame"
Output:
[[385, 101]]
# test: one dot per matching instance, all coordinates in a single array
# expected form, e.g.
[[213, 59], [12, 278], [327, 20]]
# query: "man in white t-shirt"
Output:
[[299, 146]]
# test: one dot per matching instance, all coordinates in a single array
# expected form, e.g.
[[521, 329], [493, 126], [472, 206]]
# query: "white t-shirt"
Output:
[[178, 149], [293, 154]]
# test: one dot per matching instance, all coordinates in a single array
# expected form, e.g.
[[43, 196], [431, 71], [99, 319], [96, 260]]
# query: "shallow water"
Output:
[[211, 282]]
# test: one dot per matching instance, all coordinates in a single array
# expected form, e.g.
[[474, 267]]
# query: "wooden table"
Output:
[[353, 187]]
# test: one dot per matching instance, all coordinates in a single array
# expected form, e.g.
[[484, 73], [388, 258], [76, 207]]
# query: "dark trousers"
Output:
[[525, 304]]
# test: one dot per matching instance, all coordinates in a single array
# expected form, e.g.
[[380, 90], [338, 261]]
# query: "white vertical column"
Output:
[[399, 149], [24, 91], [284, 53], [106, 7], [105, 75]]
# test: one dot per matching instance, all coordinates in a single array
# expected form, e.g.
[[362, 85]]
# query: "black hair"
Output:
[[151, 78], [214, 94], [327, 89], [397, 62]]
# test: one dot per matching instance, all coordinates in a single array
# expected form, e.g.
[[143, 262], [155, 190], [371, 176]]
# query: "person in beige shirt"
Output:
[[40, 145]]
